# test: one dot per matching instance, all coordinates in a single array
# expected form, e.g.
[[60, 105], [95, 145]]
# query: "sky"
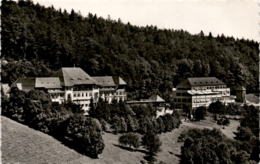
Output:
[[238, 18]]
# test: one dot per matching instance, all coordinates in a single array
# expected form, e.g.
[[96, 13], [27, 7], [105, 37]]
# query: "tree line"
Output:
[[122, 118]]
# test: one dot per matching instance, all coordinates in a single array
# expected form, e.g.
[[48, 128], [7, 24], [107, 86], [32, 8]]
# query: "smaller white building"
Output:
[[201, 91]]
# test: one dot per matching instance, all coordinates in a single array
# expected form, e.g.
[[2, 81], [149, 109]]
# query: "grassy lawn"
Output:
[[25, 145]]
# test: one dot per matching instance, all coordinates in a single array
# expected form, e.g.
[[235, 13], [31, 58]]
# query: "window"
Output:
[[90, 94], [82, 94], [86, 94], [75, 95], [78, 94], [178, 94]]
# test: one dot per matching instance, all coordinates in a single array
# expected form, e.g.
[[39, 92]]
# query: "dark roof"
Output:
[[204, 81], [105, 81], [28, 83], [47, 82], [76, 76]]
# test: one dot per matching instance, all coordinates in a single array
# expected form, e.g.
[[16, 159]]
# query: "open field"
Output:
[[25, 145]]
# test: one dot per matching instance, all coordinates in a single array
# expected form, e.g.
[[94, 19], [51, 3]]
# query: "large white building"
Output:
[[201, 91], [74, 84]]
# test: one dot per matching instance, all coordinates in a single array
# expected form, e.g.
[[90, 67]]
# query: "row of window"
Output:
[[57, 95], [83, 94], [188, 100], [182, 100], [182, 94], [115, 94], [209, 87]]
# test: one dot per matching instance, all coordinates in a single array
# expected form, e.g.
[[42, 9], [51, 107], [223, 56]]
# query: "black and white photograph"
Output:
[[130, 81]]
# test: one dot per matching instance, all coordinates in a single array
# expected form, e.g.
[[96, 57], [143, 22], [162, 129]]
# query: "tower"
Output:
[[241, 94]]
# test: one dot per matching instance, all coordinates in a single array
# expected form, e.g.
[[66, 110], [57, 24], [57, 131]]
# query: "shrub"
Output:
[[217, 108], [145, 125], [161, 126], [223, 121], [85, 135], [119, 124], [103, 125], [132, 123], [151, 142], [200, 113], [210, 146], [14, 107], [130, 139]]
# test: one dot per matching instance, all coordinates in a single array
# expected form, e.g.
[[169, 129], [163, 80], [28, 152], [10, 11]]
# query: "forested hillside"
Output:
[[151, 60]]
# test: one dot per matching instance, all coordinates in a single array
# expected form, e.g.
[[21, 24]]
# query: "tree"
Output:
[[200, 113], [217, 108], [14, 107], [151, 142], [130, 139], [85, 134], [250, 119], [145, 125], [211, 146], [132, 123], [119, 124], [160, 124]]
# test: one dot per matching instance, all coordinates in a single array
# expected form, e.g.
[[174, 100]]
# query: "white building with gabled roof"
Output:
[[111, 88], [201, 91], [74, 84]]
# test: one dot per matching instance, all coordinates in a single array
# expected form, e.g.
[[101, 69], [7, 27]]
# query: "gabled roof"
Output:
[[28, 83], [184, 84], [204, 81], [119, 81], [47, 82], [200, 81], [76, 76], [152, 99], [105, 81], [156, 98]]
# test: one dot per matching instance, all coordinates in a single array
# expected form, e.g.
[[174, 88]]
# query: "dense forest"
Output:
[[151, 60]]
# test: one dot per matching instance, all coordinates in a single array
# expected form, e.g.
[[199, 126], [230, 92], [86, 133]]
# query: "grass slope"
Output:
[[25, 145]]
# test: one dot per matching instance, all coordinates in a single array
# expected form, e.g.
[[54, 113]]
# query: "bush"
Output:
[[151, 142], [244, 134], [200, 113], [103, 125], [217, 108], [211, 146], [144, 111], [85, 135], [14, 107], [234, 109], [145, 125], [132, 123], [161, 126], [119, 124], [130, 139], [223, 121]]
